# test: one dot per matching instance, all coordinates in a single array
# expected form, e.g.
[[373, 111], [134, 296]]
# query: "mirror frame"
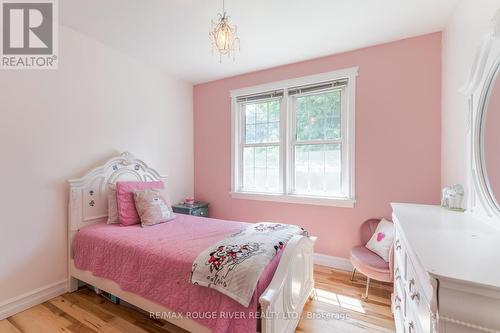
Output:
[[479, 139], [481, 201]]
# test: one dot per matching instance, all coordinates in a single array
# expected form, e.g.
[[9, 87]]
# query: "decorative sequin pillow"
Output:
[[152, 207]]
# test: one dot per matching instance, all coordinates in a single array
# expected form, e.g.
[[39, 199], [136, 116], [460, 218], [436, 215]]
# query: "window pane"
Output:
[[274, 111], [261, 115], [273, 169], [274, 132], [250, 133], [318, 116], [260, 133], [248, 167], [261, 169], [250, 113], [318, 169], [262, 122]]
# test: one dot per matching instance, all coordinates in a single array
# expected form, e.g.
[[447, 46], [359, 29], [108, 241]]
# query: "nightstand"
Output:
[[195, 209]]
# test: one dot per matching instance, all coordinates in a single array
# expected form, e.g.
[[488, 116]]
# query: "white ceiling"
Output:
[[173, 34]]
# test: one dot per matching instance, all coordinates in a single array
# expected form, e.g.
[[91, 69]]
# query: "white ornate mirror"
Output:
[[489, 139], [483, 92]]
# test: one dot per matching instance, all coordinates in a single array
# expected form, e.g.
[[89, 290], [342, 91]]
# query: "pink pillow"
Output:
[[125, 199]]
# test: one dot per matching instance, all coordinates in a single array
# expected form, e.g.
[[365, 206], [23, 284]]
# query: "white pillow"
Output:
[[112, 205], [382, 239]]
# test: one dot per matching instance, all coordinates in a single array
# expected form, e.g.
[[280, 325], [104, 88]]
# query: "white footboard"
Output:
[[293, 283]]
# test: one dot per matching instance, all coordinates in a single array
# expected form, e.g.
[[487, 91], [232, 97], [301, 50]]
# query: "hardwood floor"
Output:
[[337, 294], [338, 307]]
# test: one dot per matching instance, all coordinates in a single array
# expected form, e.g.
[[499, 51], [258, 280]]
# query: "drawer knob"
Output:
[[411, 327], [398, 276], [397, 301], [411, 284], [414, 295]]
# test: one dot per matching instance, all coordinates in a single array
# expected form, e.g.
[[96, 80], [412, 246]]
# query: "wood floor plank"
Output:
[[123, 321], [40, 319], [131, 315], [7, 327], [337, 307], [89, 320], [75, 326]]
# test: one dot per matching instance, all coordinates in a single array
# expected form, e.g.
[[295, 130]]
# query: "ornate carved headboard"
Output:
[[88, 201]]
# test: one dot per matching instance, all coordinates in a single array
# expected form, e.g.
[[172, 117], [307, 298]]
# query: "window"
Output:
[[261, 146], [293, 140]]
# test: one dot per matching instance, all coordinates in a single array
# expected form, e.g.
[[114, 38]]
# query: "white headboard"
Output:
[[88, 201]]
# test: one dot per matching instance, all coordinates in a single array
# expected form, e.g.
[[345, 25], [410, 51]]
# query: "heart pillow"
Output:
[[382, 239]]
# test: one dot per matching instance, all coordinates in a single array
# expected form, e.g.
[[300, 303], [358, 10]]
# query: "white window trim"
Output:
[[350, 94]]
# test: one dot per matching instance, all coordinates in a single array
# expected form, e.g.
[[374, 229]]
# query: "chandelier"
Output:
[[223, 37]]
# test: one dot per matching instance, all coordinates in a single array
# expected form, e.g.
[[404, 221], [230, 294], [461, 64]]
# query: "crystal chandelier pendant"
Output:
[[223, 37]]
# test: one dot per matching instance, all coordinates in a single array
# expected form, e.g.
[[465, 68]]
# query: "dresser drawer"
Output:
[[397, 311], [413, 283], [417, 302], [398, 276], [399, 300], [399, 257], [411, 325], [200, 212]]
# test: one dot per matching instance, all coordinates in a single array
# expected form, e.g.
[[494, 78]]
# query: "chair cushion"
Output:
[[370, 264]]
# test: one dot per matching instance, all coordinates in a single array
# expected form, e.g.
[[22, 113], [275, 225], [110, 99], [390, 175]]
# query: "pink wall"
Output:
[[398, 129]]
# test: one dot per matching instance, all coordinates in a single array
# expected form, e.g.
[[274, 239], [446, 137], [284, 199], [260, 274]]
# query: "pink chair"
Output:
[[369, 263]]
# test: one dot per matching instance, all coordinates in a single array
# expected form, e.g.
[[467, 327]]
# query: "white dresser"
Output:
[[446, 271]]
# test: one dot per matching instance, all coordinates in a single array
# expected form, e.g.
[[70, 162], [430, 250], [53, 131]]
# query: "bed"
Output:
[[97, 252]]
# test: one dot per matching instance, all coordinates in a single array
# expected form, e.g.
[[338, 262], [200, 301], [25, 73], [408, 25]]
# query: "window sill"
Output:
[[308, 200]]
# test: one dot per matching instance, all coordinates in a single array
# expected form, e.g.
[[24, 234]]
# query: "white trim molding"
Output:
[[286, 193], [340, 263], [295, 199], [32, 298]]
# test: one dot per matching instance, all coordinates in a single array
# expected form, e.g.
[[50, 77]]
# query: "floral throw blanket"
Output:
[[233, 266]]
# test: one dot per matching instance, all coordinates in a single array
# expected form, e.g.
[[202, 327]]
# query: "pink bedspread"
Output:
[[155, 263]]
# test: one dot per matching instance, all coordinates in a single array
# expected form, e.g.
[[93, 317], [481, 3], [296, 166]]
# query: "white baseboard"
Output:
[[343, 264], [32, 298]]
